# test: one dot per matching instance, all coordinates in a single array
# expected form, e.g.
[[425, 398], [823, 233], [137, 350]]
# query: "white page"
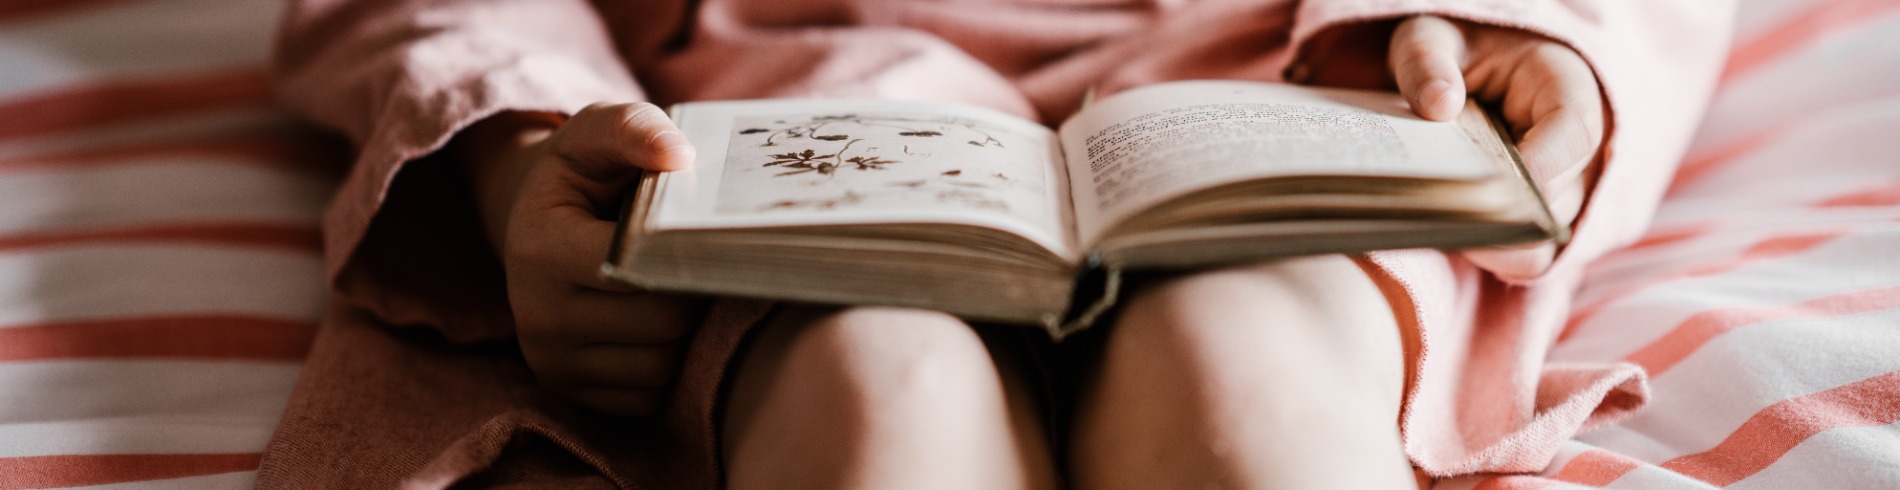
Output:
[[1137, 148], [815, 161]]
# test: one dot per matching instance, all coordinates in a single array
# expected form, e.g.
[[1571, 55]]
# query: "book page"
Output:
[[1137, 148], [814, 162]]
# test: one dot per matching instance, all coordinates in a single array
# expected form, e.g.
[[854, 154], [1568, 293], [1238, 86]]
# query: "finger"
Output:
[[1554, 100], [566, 243], [600, 317], [605, 139], [1514, 263], [1427, 59], [603, 148], [1566, 200], [607, 366], [1559, 147]]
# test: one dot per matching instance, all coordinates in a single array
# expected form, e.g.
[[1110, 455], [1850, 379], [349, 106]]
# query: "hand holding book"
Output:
[[1546, 92], [543, 188], [983, 214]]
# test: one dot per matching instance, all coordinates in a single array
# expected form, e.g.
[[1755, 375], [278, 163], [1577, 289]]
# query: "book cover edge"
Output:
[[1547, 220]]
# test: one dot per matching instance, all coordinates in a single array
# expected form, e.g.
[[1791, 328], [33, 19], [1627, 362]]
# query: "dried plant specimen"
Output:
[[807, 161], [848, 198], [879, 162], [869, 163]]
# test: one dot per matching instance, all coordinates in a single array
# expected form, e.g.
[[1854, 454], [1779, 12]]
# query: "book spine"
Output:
[[1097, 288]]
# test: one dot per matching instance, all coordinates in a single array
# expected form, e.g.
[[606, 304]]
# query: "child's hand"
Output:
[[548, 194], [1548, 95]]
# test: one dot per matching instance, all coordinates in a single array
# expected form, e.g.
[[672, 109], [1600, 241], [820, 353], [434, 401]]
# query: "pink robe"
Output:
[[399, 77]]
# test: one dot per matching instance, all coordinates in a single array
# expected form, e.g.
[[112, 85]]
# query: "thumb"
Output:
[[606, 142], [1427, 59], [1516, 264]]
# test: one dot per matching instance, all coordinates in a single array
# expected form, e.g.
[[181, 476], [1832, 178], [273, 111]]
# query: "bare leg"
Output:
[[880, 398], [1280, 375]]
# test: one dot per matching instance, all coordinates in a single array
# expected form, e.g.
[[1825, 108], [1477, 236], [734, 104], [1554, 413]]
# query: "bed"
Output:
[[160, 275]]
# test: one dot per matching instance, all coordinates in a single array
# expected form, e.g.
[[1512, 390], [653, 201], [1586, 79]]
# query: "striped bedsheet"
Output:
[[160, 277], [1765, 301], [159, 270]]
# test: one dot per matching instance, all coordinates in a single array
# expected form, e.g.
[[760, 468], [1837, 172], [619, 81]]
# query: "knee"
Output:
[[874, 398], [1271, 337], [1308, 311], [889, 366], [1245, 296]]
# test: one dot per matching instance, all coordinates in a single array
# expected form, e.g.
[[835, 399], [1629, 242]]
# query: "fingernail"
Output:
[[673, 151], [1434, 96], [668, 140]]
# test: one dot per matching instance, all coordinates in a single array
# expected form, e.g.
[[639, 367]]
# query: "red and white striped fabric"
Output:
[[160, 276], [1765, 301], [159, 270]]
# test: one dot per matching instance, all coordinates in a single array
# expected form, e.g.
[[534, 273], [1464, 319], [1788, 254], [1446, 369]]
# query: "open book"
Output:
[[993, 217]]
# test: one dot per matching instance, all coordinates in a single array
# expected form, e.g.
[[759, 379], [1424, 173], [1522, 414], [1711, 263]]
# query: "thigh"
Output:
[[1285, 317], [1285, 374]]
